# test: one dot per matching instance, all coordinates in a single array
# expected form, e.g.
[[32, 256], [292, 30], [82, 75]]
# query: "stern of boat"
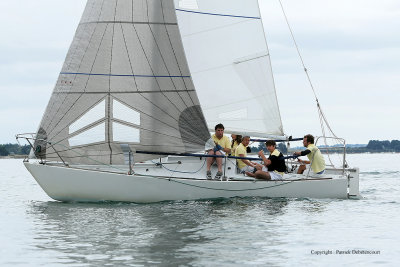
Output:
[[354, 179]]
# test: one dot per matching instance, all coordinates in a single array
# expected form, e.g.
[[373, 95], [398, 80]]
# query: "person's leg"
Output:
[[210, 160], [250, 174], [301, 169], [262, 175], [219, 161], [258, 167]]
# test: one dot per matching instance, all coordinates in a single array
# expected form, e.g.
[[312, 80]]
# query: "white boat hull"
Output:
[[71, 184]]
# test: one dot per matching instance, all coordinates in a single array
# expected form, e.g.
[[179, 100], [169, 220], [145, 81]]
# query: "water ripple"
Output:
[[37, 231]]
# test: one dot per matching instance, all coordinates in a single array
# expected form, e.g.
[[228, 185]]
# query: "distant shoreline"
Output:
[[12, 151], [333, 152], [14, 157]]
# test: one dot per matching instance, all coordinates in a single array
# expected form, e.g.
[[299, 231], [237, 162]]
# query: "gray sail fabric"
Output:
[[125, 80]]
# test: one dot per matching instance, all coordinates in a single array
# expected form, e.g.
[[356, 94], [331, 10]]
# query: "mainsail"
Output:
[[230, 64], [125, 81]]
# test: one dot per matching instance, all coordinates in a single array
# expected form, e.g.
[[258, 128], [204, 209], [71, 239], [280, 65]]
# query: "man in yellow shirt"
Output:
[[222, 146], [313, 154], [244, 165]]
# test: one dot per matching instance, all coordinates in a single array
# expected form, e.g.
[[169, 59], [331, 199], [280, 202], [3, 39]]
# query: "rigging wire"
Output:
[[322, 118], [321, 114]]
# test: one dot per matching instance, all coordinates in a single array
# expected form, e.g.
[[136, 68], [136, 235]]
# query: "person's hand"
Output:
[[217, 147], [261, 153]]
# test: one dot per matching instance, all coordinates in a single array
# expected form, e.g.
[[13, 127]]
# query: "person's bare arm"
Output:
[[247, 162], [264, 158], [304, 161]]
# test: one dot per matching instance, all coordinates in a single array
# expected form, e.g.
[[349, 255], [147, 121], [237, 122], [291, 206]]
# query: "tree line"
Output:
[[383, 146], [14, 149]]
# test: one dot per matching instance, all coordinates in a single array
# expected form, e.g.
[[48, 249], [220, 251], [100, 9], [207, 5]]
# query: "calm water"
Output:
[[37, 231]]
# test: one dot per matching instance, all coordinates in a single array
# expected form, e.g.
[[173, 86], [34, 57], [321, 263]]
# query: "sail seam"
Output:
[[143, 92], [68, 66], [124, 75], [80, 63], [129, 92], [144, 53], [83, 92], [128, 22], [163, 59], [173, 51], [128, 55], [150, 65], [216, 14]]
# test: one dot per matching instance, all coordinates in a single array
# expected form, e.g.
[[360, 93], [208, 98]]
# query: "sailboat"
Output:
[[143, 84]]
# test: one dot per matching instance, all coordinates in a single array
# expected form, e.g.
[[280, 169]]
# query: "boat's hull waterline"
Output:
[[72, 184]]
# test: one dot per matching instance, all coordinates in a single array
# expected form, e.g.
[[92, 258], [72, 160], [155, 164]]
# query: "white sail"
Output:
[[229, 60], [125, 80]]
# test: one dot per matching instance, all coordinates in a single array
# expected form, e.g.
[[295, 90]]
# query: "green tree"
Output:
[[3, 151], [261, 146], [282, 148], [25, 149], [15, 149], [374, 145], [382, 146], [395, 144]]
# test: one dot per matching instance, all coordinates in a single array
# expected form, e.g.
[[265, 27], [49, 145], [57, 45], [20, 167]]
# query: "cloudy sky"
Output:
[[351, 49]]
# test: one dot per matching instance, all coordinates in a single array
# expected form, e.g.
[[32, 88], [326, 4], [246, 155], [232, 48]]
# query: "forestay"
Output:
[[125, 81], [230, 64]]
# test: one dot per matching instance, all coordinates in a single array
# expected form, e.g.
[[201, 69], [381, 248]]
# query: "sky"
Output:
[[351, 49]]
